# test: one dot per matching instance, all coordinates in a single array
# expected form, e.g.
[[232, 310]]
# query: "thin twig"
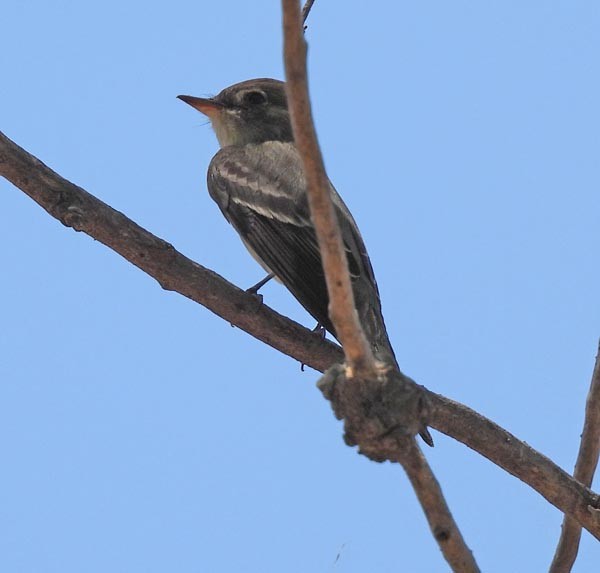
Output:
[[442, 524], [76, 208], [585, 467], [306, 10], [342, 309]]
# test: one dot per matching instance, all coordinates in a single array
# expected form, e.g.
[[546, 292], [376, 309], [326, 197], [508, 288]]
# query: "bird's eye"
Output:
[[254, 98]]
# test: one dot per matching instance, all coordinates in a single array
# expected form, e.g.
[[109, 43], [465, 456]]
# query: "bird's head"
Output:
[[253, 111]]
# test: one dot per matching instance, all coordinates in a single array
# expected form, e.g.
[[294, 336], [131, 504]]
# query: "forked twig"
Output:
[[585, 467]]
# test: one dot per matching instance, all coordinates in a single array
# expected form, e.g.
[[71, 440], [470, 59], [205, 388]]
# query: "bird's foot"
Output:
[[255, 288], [320, 329]]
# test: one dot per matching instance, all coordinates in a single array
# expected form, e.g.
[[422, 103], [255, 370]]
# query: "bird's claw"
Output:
[[320, 330]]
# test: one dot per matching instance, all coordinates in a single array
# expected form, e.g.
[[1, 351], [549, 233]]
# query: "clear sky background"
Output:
[[141, 433]]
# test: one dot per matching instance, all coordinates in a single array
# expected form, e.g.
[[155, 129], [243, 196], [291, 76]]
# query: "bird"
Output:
[[258, 183]]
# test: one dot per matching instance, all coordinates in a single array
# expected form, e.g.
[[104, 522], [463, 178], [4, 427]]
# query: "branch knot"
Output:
[[380, 412]]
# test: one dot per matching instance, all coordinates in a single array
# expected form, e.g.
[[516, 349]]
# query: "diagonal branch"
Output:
[[517, 458], [76, 208], [442, 525], [587, 460], [306, 10]]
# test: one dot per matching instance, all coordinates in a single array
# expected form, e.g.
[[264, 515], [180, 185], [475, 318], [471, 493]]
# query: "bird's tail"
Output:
[[368, 306]]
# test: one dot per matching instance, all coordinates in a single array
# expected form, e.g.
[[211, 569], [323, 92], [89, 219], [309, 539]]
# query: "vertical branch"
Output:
[[343, 314], [587, 460], [342, 309]]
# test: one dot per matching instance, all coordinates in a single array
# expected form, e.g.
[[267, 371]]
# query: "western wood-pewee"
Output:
[[257, 180]]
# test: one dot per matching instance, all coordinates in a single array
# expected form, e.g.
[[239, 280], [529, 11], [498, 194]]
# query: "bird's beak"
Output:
[[207, 106]]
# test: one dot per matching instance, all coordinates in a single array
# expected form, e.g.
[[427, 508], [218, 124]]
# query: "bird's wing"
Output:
[[261, 190]]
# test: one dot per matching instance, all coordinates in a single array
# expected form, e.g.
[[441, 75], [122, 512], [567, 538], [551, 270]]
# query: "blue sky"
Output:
[[141, 433]]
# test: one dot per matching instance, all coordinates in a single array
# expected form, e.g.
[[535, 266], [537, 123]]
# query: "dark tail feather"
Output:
[[368, 306], [371, 317]]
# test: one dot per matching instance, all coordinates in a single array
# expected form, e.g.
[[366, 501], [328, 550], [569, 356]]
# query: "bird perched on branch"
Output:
[[258, 182]]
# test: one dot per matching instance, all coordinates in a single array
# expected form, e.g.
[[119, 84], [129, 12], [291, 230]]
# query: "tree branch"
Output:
[[76, 208], [366, 381], [517, 458], [585, 467], [306, 10], [442, 525], [342, 309]]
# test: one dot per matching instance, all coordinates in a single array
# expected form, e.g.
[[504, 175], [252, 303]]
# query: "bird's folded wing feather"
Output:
[[261, 190]]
